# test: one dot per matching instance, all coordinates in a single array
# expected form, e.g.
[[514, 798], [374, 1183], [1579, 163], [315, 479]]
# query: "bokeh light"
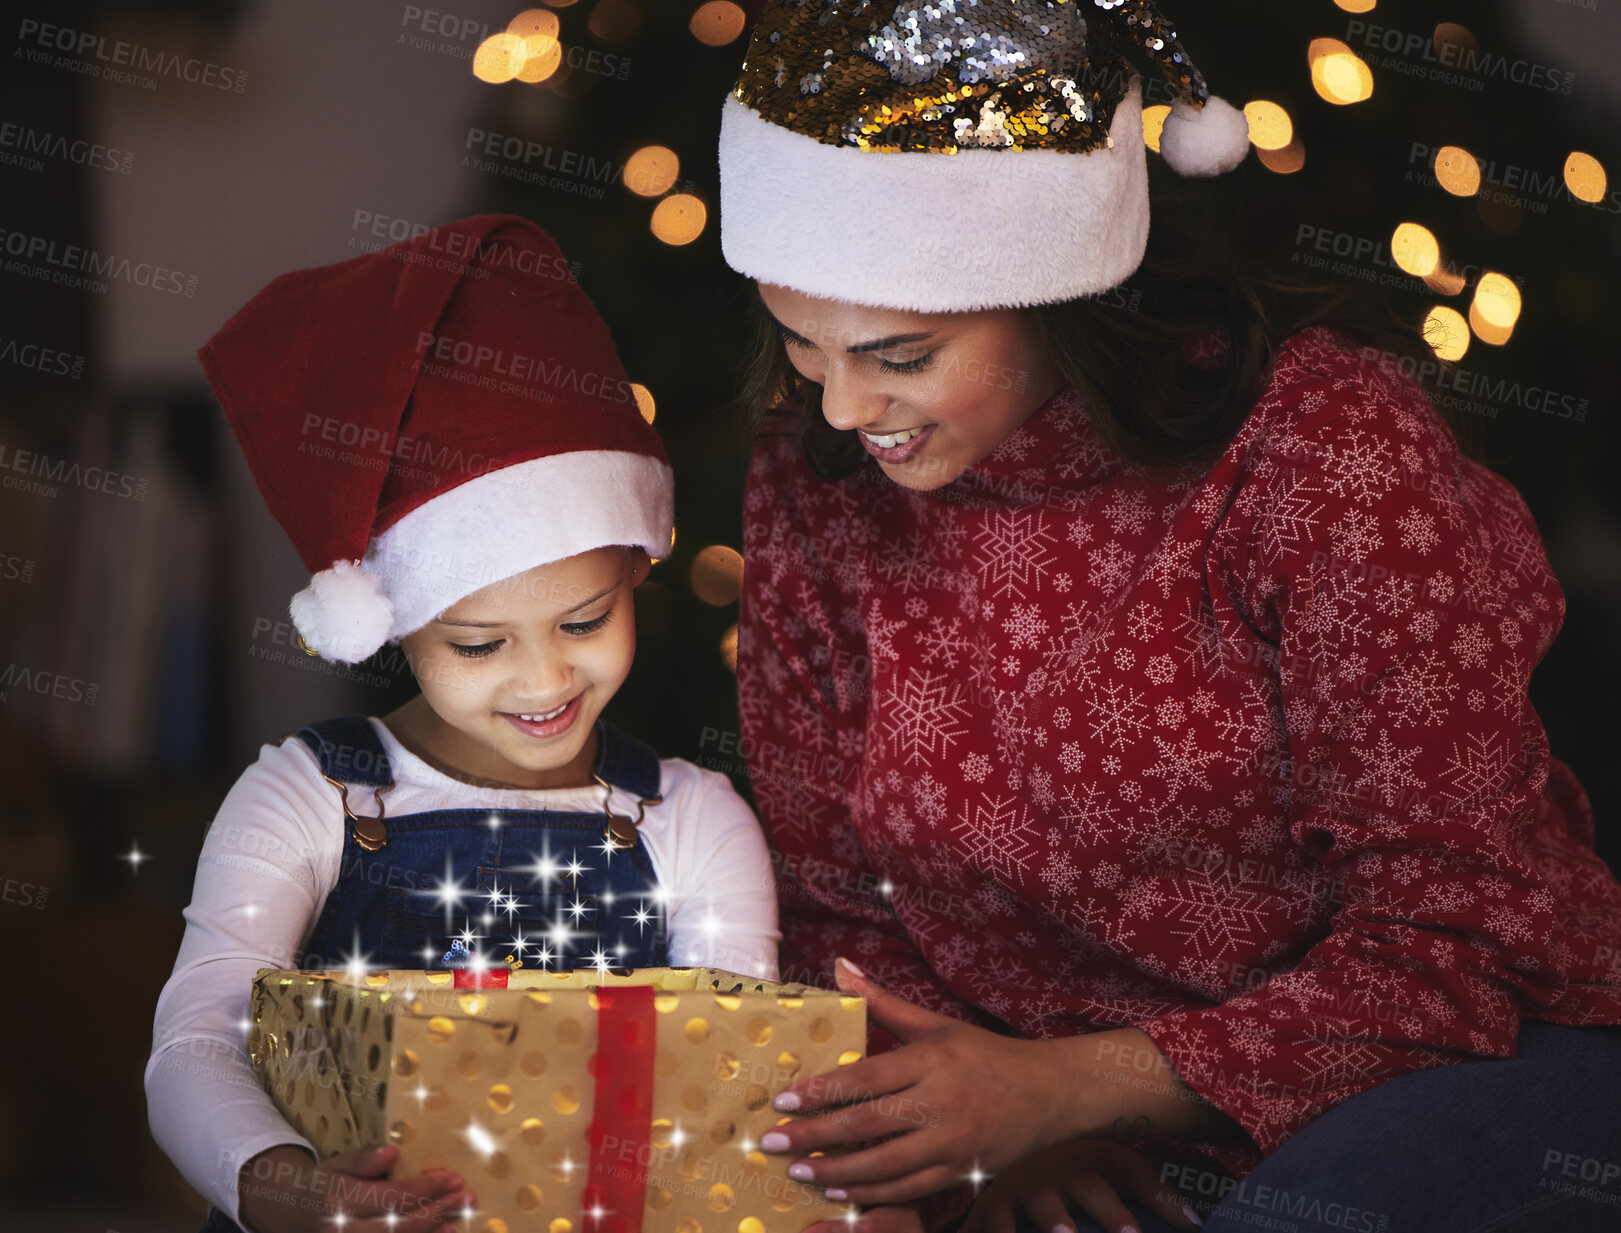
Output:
[[544, 55], [1285, 161], [499, 58], [651, 171], [1270, 128], [1584, 177], [1497, 300], [614, 21], [679, 219], [532, 22], [1446, 332], [717, 575], [644, 400], [1154, 124], [728, 648], [1494, 309], [1356, 6], [718, 22], [1415, 249], [1337, 74], [1457, 171]]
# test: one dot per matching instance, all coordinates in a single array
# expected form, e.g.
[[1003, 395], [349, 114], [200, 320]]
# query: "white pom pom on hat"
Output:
[[1204, 141], [343, 614]]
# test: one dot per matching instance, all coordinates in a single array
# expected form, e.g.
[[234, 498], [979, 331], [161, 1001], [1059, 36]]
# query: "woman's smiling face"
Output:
[[929, 394]]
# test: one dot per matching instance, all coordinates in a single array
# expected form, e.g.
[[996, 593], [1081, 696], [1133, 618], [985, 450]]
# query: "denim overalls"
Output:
[[523, 873]]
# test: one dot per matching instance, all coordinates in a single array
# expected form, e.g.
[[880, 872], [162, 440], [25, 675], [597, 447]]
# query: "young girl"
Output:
[[447, 435], [1156, 667]]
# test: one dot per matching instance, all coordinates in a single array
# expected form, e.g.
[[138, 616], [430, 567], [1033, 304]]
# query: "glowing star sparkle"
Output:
[[976, 1176], [544, 868], [135, 856], [449, 892], [480, 1140], [355, 964]]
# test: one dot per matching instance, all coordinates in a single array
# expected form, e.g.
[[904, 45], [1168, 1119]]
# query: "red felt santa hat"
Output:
[[433, 418]]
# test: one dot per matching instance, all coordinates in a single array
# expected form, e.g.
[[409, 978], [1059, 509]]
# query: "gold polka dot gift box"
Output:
[[572, 1102]]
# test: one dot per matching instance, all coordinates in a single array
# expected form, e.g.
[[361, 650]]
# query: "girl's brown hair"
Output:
[[1122, 352]]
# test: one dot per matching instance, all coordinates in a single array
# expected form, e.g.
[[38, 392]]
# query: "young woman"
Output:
[[1136, 680]]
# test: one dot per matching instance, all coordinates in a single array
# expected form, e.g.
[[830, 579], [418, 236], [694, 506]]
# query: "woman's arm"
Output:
[[804, 742], [1409, 597]]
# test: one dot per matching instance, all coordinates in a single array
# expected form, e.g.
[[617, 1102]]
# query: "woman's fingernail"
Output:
[[787, 1102], [852, 967], [834, 1193], [1191, 1214], [1128, 1228], [800, 1172], [1062, 1228], [776, 1141]]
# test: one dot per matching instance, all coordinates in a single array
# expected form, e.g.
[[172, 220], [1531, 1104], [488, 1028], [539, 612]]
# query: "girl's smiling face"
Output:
[[929, 394], [514, 676]]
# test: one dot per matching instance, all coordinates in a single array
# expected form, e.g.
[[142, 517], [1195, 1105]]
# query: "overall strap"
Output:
[[349, 751], [627, 763]]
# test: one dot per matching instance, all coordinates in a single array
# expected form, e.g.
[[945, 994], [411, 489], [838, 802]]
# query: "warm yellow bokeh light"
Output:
[[1289, 159], [718, 22], [1356, 6], [1498, 300], [728, 648], [1270, 128], [544, 54], [1457, 171], [1337, 73], [499, 58], [1486, 331], [717, 575], [679, 219], [1153, 124], [531, 22], [651, 171], [1415, 249], [644, 400], [1584, 177], [1444, 281], [1446, 332]]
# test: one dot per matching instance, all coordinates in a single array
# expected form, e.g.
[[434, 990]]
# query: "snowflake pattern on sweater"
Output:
[[1239, 755]]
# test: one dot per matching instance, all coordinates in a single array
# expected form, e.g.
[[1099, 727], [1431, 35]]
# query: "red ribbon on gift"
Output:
[[466, 978], [622, 1111]]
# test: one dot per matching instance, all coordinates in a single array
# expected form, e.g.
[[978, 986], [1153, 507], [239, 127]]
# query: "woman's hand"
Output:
[[283, 1190], [1093, 1175], [958, 1099]]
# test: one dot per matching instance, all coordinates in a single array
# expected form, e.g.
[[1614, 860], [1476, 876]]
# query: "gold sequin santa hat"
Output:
[[957, 155]]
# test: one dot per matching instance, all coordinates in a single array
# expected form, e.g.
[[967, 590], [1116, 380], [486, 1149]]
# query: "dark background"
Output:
[[154, 608]]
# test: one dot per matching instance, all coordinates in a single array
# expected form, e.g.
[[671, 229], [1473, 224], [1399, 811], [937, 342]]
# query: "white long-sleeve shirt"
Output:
[[273, 855]]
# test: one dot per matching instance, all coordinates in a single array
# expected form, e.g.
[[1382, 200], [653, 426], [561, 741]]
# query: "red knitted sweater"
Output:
[[1241, 756]]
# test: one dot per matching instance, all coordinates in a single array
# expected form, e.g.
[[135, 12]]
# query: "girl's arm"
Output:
[[724, 910], [267, 864]]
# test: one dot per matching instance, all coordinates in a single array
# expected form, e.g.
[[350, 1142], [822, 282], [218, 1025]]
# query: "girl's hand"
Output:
[[283, 1190], [1091, 1174], [957, 1098]]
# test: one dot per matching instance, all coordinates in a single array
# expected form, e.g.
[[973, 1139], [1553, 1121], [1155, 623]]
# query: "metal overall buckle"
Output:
[[620, 830], [370, 833]]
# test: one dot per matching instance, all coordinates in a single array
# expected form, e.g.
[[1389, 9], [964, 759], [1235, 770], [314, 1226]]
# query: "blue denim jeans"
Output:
[[1529, 1145]]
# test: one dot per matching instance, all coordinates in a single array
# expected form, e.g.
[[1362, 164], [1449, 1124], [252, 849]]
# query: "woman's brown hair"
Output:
[[1122, 352]]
